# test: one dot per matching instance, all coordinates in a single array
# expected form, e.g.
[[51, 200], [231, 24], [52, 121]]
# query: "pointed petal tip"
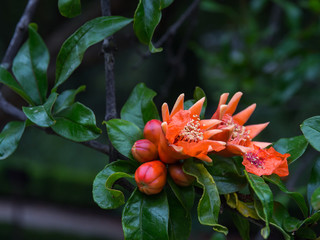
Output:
[[196, 108]]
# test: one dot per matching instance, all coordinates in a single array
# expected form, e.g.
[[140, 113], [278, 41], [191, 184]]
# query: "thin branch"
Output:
[[173, 29], [10, 109], [108, 48], [103, 148], [19, 33]]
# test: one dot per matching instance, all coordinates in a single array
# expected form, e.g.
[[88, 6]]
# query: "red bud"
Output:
[[179, 176], [144, 151], [151, 177], [152, 130]]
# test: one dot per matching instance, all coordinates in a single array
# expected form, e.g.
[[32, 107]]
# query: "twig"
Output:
[[108, 48], [103, 148], [19, 33]]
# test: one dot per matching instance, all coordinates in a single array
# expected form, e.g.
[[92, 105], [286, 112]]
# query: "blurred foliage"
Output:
[[267, 49]]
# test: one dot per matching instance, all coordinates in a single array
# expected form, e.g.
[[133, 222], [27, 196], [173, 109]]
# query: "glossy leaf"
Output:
[[315, 199], [179, 219], [10, 137], [66, 99], [30, 67], [314, 181], [123, 135], [69, 8], [146, 217], [265, 196], [103, 194], [296, 146], [311, 130], [7, 79], [140, 108], [226, 175], [299, 199], [41, 115], [242, 224], [72, 50], [184, 194], [77, 123], [209, 204], [146, 18]]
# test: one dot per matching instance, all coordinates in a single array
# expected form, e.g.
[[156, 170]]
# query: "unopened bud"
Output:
[[151, 177], [179, 176], [152, 130], [144, 150]]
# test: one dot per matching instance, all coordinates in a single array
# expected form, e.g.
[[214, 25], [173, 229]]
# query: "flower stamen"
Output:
[[192, 131], [254, 159]]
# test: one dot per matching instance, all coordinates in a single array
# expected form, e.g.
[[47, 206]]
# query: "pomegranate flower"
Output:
[[185, 135], [266, 162], [237, 136]]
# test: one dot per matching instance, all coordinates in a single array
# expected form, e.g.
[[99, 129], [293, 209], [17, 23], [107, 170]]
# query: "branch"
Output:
[[108, 48], [19, 33]]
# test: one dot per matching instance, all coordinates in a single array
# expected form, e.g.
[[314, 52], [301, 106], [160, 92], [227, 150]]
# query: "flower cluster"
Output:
[[182, 134]]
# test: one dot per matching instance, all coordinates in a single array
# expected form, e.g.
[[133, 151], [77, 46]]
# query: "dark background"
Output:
[[269, 50]]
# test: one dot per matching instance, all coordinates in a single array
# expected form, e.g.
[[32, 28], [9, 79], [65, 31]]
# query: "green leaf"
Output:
[[146, 18], [299, 199], [315, 199], [279, 218], [69, 8], [139, 108], [7, 79], [41, 115], [314, 181], [242, 224], [103, 194], [77, 123], [123, 135], [209, 204], [72, 50], [264, 194], [226, 175], [179, 219], [311, 130], [296, 146], [184, 194], [146, 217], [30, 67], [66, 99], [10, 137]]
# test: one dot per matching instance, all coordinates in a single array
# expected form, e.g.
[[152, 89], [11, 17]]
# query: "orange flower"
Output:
[[237, 136], [266, 162], [185, 135]]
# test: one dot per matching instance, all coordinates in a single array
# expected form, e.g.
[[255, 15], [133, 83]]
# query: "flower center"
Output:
[[240, 135], [254, 159], [191, 131]]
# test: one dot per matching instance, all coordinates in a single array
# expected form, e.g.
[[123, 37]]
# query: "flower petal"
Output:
[[254, 130], [209, 123], [178, 105], [242, 117], [233, 103], [208, 134], [165, 112], [261, 144], [195, 109], [223, 100]]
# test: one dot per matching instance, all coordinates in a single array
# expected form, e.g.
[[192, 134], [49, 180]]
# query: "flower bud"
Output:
[[144, 151], [179, 176], [151, 177], [152, 130]]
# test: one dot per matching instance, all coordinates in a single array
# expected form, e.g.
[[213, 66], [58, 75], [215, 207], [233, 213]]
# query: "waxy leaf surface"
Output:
[[10, 137], [103, 194], [146, 217], [139, 108], [77, 123], [311, 130], [72, 50], [69, 8], [123, 135]]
